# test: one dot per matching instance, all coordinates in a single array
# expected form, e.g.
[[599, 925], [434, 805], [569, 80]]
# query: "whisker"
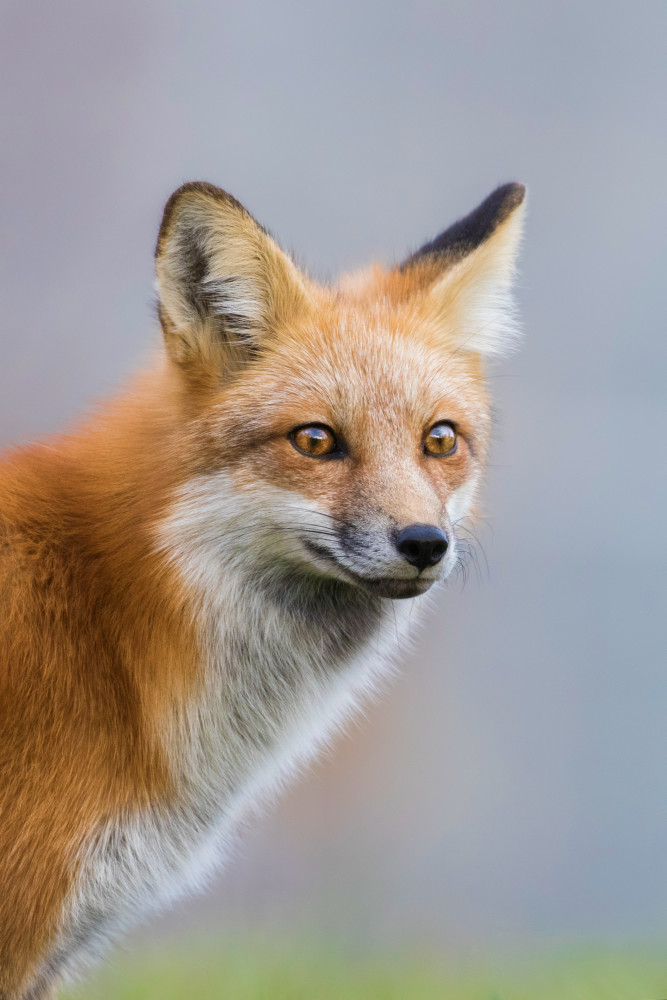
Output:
[[476, 547], [332, 517]]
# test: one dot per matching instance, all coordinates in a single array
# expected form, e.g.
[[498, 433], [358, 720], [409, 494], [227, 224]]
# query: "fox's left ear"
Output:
[[465, 274], [224, 284]]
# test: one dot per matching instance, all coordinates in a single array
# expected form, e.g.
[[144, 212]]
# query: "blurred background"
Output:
[[510, 790]]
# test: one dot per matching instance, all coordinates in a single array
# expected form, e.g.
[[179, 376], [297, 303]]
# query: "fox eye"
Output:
[[440, 440], [314, 440]]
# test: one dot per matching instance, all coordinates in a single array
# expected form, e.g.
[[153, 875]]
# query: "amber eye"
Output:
[[440, 440], [314, 440]]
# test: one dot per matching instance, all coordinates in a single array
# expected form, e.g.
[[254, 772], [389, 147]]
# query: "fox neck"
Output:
[[282, 670]]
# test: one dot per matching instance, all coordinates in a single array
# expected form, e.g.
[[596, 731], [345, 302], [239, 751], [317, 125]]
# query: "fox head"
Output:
[[337, 434]]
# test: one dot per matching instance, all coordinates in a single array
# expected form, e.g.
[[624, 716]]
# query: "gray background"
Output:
[[512, 786]]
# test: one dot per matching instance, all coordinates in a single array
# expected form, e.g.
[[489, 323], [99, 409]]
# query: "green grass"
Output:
[[265, 973]]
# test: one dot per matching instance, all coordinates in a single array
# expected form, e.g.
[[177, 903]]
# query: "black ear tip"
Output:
[[505, 199], [469, 232], [518, 192], [514, 189]]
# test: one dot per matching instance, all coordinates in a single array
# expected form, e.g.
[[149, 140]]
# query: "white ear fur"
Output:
[[473, 298]]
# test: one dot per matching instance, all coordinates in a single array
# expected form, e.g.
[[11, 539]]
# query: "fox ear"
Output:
[[223, 282], [465, 274]]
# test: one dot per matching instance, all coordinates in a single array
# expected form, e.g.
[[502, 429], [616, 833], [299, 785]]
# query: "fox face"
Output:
[[341, 433]]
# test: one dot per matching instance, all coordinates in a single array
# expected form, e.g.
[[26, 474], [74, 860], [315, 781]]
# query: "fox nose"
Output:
[[422, 545]]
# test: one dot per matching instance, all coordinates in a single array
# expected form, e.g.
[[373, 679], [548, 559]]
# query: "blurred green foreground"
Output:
[[264, 973]]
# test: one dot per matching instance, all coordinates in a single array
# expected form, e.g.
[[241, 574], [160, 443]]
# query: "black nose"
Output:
[[422, 545]]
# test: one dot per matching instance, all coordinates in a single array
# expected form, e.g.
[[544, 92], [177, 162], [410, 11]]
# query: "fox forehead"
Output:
[[359, 371]]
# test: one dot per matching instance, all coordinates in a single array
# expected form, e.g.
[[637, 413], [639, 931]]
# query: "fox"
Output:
[[204, 580]]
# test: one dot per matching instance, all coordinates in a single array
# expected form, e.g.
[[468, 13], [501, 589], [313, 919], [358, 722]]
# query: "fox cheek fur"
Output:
[[196, 585]]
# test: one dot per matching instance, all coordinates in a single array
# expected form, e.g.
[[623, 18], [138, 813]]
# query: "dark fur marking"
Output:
[[194, 264], [210, 302], [306, 599], [470, 232]]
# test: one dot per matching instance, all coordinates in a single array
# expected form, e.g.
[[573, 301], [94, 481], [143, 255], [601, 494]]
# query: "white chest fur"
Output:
[[283, 672]]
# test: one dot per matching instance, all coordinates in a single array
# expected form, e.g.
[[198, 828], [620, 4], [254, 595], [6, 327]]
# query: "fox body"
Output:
[[200, 584]]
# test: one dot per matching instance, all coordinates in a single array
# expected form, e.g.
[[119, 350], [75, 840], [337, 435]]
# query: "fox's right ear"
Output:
[[223, 282]]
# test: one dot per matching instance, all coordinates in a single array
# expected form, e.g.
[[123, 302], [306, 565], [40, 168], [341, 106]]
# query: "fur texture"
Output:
[[191, 605]]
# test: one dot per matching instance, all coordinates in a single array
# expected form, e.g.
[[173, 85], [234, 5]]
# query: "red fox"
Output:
[[198, 586]]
